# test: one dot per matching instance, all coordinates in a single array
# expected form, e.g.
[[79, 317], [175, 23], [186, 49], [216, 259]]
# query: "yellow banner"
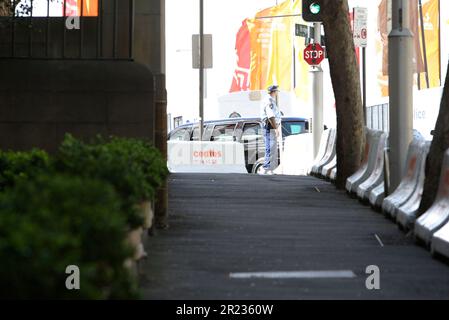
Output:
[[260, 37], [271, 34], [432, 44]]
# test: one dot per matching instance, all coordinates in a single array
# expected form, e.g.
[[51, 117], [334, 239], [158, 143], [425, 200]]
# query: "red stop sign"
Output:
[[314, 54]]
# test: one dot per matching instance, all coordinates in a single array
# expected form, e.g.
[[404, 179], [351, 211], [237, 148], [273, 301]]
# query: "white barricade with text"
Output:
[[206, 157]]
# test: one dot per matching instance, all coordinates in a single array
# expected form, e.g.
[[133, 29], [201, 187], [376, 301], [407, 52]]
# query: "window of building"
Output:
[[177, 121]]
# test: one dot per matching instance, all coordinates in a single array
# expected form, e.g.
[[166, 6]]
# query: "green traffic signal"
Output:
[[315, 8], [312, 10]]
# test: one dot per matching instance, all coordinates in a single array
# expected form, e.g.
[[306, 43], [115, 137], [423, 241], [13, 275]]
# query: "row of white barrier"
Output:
[[403, 204], [325, 164], [206, 157]]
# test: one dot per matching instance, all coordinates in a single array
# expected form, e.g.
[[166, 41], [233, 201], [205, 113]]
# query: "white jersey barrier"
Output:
[[438, 215], [331, 151], [297, 156], [324, 142], [377, 176], [327, 169], [333, 175], [410, 180], [369, 160], [407, 213], [206, 157], [377, 196], [440, 241]]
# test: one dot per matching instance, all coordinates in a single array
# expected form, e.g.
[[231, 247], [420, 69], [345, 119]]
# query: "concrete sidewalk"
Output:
[[222, 224]]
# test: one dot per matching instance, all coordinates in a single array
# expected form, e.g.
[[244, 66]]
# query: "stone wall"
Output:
[[41, 100]]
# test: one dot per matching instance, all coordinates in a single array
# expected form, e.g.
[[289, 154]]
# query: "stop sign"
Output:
[[314, 54]]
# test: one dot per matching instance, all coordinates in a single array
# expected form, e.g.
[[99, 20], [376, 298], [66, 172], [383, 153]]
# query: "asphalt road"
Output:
[[223, 224]]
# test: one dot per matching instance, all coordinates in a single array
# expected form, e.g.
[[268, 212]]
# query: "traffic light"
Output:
[[312, 10]]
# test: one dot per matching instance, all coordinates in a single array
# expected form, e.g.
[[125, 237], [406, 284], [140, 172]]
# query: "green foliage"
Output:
[[146, 156], [55, 221], [74, 209], [133, 167], [15, 166]]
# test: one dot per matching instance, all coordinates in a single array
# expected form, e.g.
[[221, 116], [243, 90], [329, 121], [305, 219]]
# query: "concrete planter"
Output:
[[146, 208], [135, 241]]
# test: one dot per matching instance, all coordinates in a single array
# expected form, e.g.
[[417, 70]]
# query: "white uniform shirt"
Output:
[[270, 110]]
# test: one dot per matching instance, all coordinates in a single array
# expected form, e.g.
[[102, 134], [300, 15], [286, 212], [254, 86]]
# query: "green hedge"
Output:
[[74, 209], [16, 166], [132, 166], [51, 222]]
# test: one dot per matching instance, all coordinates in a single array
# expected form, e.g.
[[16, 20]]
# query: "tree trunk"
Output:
[[346, 84], [439, 146]]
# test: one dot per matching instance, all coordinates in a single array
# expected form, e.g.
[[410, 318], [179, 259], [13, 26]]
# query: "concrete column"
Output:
[[400, 58], [149, 34], [149, 49]]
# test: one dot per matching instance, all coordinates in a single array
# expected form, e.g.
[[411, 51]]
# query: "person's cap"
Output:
[[272, 89]]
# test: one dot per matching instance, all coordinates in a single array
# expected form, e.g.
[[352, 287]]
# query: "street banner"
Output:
[[73, 8], [268, 37], [281, 65], [427, 48], [241, 80], [260, 37], [431, 72]]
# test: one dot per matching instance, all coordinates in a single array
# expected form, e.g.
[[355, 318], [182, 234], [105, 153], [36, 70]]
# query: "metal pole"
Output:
[[401, 90], [364, 84], [201, 97], [317, 120]]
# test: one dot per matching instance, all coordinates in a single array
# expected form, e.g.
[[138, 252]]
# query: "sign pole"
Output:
[[317, 120], [400, 61], [360, 17], [365, 113], [201, 70]]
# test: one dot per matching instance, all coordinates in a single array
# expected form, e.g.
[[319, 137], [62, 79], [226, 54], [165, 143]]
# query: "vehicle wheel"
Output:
[[257, 167]]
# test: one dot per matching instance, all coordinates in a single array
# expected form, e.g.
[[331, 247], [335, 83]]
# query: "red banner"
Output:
[[241, 80]]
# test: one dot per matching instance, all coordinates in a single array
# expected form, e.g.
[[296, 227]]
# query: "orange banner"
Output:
[[85, 8], [430, 77], [271, 43]]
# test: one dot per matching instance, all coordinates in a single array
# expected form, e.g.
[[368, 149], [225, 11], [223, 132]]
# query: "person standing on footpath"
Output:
[[271, 120]]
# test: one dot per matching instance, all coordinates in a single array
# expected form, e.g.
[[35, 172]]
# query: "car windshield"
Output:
[[290, 128]]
